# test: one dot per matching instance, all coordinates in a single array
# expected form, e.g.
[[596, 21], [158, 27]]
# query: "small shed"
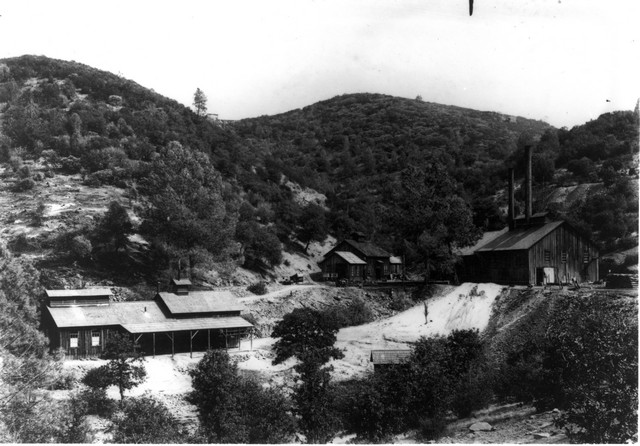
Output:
[[387, 358]]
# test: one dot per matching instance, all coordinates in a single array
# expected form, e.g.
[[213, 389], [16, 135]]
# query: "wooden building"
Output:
[[79, 324], [388, 358], [532, 250], [541, 252], [358, 260]]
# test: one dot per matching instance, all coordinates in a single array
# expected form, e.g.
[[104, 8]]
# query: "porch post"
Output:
[[208, 339], [173, 350], [154, 345], [190, 344]]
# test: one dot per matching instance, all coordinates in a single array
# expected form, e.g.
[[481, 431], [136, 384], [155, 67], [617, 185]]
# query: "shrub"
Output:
[[24, 185], [400, 302], [70, 165], [24, 172], [97, 402], [38, 214], [432, 428], [258, 288], [97, 378], [81, 247], [146, 420]]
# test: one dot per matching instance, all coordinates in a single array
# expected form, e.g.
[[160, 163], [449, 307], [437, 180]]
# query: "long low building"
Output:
[[79, 321]]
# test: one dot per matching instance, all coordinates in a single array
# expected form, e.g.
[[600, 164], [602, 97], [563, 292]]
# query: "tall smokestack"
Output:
[[512, 207], [528, 192]]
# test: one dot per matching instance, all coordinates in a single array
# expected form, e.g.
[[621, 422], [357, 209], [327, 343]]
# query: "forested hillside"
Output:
[[416, 177]]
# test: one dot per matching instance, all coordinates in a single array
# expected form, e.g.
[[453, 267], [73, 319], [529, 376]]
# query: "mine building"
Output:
[[532, 250], [80, 321], [358, 260]]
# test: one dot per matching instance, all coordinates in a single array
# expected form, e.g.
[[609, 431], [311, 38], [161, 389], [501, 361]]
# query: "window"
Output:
[[564, 257], [547, 256], [95, 339], [585, 255], [73, 340]]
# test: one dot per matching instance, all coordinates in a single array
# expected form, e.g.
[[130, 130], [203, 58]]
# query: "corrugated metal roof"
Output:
[[520, 238], [395, 260], [203, 323], [368, 249], [390, 356], [351, 258], [201, 302], [486, 238], [85, 292], [136, 317]]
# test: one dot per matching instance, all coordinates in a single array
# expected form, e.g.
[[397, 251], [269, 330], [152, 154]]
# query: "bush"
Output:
[[146, 420], [70, 165], [258, 288], [432, 428], [357, 312], [97, 378], [81, 247], [97, 402], [400, 302], [24, 185]]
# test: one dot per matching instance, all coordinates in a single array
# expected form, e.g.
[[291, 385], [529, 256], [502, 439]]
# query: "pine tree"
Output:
[[200, 102]]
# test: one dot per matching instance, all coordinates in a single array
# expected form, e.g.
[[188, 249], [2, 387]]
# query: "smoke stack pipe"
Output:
[[528, 191], [511, 211], [158, 286]]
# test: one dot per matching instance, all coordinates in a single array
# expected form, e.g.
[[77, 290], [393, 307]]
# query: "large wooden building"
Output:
[[80, 321], [532, 250], [358, 260], [541, 252]]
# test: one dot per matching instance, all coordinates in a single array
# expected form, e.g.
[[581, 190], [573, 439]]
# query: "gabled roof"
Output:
[[350, 258], [520, 238], [368, 249], [85, 292], [485, 239], [390, 356], [200, 302]]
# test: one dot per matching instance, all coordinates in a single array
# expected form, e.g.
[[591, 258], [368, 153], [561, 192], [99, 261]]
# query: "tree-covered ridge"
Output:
[[357, 149]]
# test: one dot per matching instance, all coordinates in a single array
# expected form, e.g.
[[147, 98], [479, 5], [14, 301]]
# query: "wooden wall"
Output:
[[336, 265], [520, 267], [580, 259], [84, 349]]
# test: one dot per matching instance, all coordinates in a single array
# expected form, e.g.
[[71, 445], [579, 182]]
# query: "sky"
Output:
[[561, 61]]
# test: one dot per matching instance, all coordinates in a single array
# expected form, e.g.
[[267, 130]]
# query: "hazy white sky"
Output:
[[562, 61]]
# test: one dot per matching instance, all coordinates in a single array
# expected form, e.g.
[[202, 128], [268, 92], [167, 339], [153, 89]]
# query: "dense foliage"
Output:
[[124, 369], [234, 409], [580, 354], [355, 149], [303, 331]]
